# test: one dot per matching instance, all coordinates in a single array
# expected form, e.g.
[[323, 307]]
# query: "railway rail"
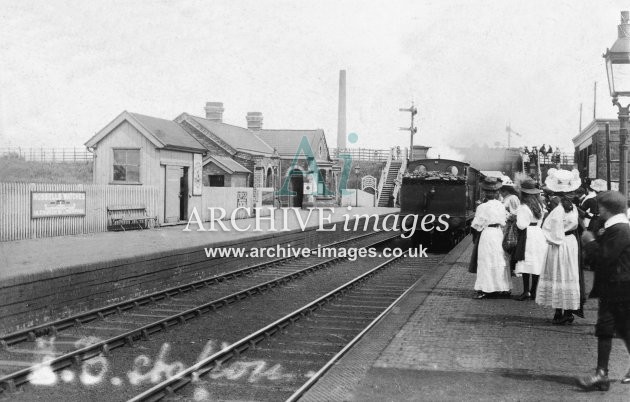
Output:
[[52, 328], [329, 325], [143, 323]]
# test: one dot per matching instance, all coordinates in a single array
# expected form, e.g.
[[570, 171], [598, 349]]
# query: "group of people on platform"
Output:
[[547, 237], [545, 151]]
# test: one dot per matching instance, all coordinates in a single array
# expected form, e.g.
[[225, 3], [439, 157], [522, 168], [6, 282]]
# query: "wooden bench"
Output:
[[130, 215]]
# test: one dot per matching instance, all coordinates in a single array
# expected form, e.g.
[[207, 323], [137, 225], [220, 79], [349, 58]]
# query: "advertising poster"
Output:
[[48, 204], [197, 174]]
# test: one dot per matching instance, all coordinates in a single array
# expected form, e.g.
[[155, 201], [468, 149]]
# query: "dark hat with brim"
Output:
[[491, 184], [528, 186]]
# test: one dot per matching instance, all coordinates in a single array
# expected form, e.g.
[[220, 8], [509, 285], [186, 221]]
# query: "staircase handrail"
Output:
[[384, 173], [398, 181]]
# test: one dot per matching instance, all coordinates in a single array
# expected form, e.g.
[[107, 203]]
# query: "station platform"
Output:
[[28, 257], [50, 278], [439, 343]]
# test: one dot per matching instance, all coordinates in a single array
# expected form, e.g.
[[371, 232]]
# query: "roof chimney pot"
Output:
[[214, 111], [254, 121]]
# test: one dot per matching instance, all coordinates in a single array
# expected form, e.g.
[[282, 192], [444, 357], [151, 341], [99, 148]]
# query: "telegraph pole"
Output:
[[412, 128]]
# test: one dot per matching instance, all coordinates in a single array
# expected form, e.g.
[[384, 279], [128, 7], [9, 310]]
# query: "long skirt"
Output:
[[493, 270], [535, 252], [559, 284]]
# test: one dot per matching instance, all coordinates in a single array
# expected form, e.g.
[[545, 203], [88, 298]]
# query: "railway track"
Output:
[[305, 342], [96, 333]]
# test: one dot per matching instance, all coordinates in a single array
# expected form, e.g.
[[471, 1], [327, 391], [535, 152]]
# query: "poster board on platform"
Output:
[[46, 204]]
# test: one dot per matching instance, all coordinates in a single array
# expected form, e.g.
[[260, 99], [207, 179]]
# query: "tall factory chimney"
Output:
[[341, 124]]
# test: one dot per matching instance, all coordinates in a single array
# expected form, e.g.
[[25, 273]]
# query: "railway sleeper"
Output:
[[9, 386]]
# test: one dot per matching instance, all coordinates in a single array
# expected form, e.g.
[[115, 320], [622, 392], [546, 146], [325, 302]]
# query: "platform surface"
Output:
[[28, 257], [440, 344]]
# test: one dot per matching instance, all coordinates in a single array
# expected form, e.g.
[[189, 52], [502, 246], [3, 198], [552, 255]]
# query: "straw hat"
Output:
[[506, 182], [491, 184], [562, 181], [528, 186], [599, 185]]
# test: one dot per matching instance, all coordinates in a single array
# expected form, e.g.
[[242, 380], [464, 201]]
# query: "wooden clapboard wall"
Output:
[[15, 208]]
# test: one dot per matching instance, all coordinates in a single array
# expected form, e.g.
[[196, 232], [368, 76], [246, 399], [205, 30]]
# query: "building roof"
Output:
[[583, 139], [227, 164], [287, 142], [239, 138], [168, 132], [162, 133]]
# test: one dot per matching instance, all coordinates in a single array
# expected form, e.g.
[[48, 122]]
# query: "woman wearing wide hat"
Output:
[[589, 205], [531, 248], [510, 197], [559, 284], [493, 273], [511, 203]]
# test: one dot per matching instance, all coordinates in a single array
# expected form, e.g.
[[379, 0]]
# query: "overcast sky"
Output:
[[70, 67]]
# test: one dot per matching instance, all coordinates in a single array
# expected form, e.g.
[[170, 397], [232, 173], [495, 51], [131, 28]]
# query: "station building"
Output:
[[295, 163], [137, 150], [184, 156], [590, 151]]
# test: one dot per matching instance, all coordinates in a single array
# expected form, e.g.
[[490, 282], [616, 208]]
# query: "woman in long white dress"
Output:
[[511, 203], [531, 249], [559, 285], [493, 272]]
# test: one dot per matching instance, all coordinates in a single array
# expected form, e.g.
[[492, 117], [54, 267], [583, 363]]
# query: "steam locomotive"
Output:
[[440, 187]]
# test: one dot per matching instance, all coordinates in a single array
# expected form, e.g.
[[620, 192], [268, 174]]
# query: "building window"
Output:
[[453, 170], [217, 180], [127, 165]]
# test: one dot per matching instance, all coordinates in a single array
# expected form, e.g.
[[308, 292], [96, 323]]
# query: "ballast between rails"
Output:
[[193, 373], [315, 377], [12, 381]]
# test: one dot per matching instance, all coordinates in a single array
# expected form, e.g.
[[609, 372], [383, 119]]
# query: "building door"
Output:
[[183, 195], [297, 185], [172, 194]]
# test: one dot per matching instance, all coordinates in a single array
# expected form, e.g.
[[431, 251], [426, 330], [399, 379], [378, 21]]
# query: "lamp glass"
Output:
[[618, 77], [609, 75]]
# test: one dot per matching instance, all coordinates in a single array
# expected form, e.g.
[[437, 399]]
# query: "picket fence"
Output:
[[15, 208]]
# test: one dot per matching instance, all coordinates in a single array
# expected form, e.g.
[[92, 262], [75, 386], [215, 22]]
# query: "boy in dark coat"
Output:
[[608, 252]]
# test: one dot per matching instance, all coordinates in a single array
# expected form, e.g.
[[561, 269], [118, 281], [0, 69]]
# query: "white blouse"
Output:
[[558, 222], [489, 213], [524, 216], [511, 203]]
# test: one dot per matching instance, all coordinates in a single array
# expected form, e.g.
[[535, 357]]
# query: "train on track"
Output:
[[438, 187]]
